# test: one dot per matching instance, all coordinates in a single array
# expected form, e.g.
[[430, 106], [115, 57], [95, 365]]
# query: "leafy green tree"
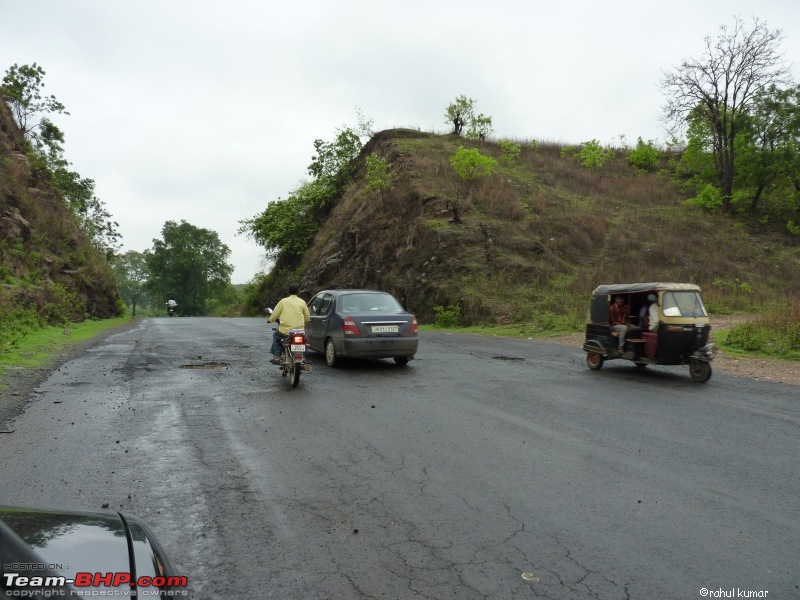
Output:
[[696, 165], [379, 173], [130, 270], [769, 155], [480, 127], [87, 209], [459, 113], [509, 151], [470, 165], [189, 264], [22, 87], [644, 157], [288, 225], [333, 162], [721, 85]]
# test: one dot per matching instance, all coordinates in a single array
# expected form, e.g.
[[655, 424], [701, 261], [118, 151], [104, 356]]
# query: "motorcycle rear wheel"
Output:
[[295, 374]]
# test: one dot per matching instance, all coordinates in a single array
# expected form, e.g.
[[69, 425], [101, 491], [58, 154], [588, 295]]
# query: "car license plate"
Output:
[[385, 328], [298, 347]]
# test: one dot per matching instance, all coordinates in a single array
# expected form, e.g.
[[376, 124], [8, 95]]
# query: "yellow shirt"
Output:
[[292, 312]]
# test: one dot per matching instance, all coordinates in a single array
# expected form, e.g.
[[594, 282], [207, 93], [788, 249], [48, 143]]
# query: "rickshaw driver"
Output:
[[652, 313], [618, 317]]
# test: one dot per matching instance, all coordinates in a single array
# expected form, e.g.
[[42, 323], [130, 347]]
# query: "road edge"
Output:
[[20, 382]]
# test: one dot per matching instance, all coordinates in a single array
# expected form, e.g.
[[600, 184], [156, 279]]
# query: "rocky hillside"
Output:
[[530, 242], [49, 270]]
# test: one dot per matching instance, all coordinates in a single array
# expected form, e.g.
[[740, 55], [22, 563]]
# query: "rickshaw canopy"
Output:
[[638, 288], [598, 307]]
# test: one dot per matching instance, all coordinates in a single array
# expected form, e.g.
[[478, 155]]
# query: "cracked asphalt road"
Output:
[[450, 478]]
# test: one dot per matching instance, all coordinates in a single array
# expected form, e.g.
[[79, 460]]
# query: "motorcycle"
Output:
[[293, 357], [171, 310]]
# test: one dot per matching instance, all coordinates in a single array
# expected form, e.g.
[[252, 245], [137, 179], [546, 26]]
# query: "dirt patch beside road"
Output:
[[761, 369]]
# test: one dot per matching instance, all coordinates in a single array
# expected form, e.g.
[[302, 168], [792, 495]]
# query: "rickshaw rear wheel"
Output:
[[594, 360], [700, 371]]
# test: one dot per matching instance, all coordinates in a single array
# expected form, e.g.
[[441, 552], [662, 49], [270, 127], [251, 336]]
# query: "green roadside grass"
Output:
[[513, 330], [41, 347], [760, 343], [766, 346]]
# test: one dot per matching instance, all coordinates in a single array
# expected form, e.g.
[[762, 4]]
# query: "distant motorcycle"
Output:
[[170, 310], [293, 357]]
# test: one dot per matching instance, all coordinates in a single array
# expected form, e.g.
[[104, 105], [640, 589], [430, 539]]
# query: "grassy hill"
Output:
[[534, 238]]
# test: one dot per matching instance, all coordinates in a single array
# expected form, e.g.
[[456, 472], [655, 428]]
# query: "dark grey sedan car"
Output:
[[361, 324]]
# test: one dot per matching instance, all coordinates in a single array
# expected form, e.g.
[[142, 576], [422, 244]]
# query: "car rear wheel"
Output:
[[330, 353], [401, 360]]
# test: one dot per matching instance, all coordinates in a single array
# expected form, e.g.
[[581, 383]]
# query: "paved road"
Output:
[[487, 468]]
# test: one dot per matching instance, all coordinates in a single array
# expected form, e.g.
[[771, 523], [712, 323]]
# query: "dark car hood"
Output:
[[69, 542]]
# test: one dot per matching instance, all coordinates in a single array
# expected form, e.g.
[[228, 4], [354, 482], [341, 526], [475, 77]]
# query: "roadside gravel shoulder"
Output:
[[18, 383], [760, 369]]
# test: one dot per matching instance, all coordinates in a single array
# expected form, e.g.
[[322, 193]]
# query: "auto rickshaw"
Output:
[[680, 337]]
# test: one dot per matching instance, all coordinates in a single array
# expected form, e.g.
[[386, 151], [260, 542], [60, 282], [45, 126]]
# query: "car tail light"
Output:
[[414, 325], [299, 339], [350, 327]]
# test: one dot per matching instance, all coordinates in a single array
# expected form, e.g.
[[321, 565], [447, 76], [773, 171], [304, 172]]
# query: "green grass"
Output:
[[513, 330], [41, 346], [753, 339]]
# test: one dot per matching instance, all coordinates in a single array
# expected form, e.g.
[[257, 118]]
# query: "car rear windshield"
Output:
[[683, 304], [356, 303]]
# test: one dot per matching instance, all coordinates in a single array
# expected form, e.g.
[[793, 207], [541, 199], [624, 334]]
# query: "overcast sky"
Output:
[[206, 111]]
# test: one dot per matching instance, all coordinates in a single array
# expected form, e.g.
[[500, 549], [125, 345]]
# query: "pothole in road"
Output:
[[507, 358], [207, 365]]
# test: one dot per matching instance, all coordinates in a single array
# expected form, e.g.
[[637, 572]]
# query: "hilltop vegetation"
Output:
[[532, 239]]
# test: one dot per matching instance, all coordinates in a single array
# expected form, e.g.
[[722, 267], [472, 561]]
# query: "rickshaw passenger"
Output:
[[618, 317]]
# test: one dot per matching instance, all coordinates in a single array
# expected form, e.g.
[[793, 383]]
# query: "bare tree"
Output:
[[719, 86]]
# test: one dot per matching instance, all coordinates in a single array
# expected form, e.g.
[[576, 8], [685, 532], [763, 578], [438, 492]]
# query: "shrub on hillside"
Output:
[[509, 151], [447, 317], [644, 157], [708, 199], [591, 154]]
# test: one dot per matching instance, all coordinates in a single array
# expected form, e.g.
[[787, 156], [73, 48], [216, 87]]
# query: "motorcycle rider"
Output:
[[171, 304], [293, 314]]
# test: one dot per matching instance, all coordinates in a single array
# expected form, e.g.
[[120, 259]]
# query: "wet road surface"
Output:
[[486, 468]]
